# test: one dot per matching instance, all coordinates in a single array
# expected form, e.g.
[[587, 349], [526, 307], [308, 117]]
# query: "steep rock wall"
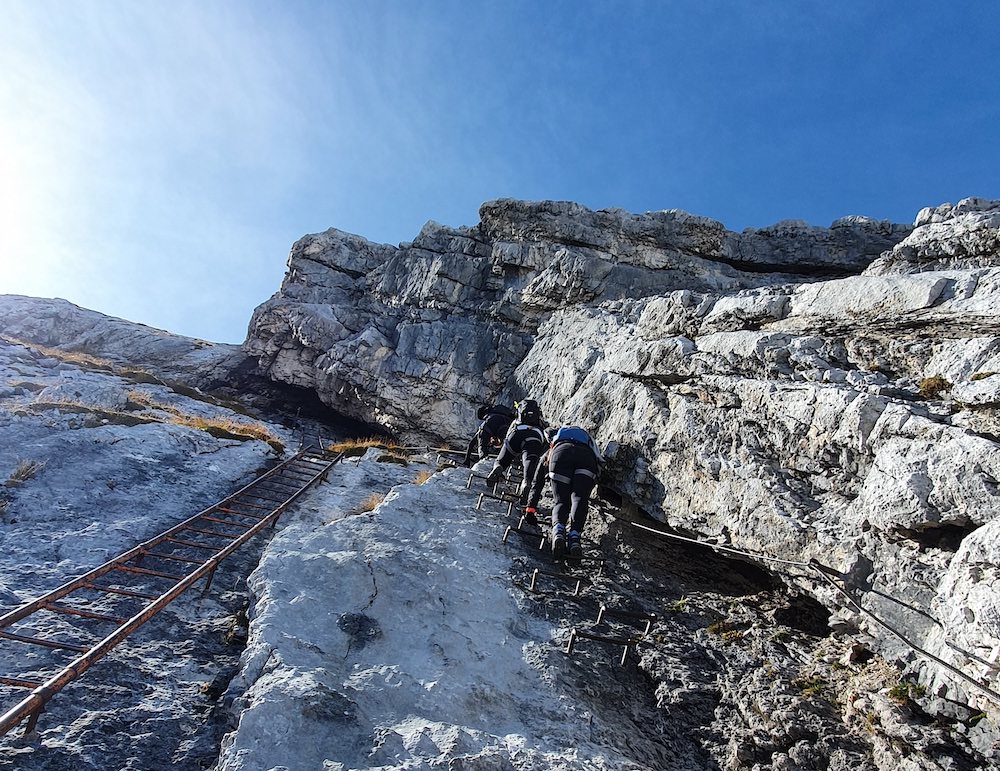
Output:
[[764, 389], [416, 337]]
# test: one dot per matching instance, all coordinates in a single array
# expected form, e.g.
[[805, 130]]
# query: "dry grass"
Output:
[[70, 357], [25, 470], [221, 428], [933, 386], [423, 476], [100, 413], [85, 360], [227, 428], [811, 686], [369, 503], [354, 447]]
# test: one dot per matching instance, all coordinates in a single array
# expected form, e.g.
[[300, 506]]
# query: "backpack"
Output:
[[573, 434], [529, 413], [497, 409]]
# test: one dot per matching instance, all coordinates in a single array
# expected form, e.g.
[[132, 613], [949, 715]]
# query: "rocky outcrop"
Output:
[[116, 343], [796, 391], [946, 236], [416, 337]]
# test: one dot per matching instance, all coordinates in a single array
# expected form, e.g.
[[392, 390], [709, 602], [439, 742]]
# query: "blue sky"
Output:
[[158, 159]]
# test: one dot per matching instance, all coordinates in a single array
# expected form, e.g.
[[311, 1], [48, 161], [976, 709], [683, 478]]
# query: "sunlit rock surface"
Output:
[[407, 636], [415, 337], [812, 393], [91, 465], [116, 342]]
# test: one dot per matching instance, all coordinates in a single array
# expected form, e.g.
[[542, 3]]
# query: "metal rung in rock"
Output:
[[474, 475], [579, 581], [648, 618], [599, 561], [626, 643], [524, 533], [482, 496], [541, 525]]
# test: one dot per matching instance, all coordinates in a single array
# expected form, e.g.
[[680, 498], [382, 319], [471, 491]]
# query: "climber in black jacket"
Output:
[[496, 421], [525, 437], [572, 463]]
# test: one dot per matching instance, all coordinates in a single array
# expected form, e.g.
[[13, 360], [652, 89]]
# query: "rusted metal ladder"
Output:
[[178, 557]]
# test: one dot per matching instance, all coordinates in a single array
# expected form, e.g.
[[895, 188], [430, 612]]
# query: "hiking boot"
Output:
[[559, 541], [575, 549], [530, 517], [494, 476]]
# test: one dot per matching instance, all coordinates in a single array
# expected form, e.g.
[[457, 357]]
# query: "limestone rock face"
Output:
[[116, 342], [946, 236], [793, 391], [416, 337]]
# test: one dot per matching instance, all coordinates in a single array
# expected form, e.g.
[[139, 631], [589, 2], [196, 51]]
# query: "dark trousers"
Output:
[[530, 452], [573, 474], [483, 442]]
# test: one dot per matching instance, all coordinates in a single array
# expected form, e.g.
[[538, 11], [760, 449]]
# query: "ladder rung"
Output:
[[523, 533], [174, 557], [295, 474], [606, 639], [241, 513], [192, 544], [16, 682], [627, 644], [122, 592], [276, 481], [265, 498], [238, 502], [578, 580], [628, 615], [83, 613], [147, 572], [217, 534], [227, 522], [44, 643]]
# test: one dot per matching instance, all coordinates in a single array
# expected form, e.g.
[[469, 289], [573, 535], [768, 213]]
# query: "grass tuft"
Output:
[[679, 605], [932, 387], [423, 476], [811, 686], [369, 503], [902, 692], [352, 448], [25, 470], [227, 428], [221, 428]]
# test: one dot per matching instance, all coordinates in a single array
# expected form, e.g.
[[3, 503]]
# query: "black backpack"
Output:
[[529, 413]]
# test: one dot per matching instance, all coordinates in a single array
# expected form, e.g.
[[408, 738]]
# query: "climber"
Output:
[[525, 437], [495, 422], [572, 462]]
